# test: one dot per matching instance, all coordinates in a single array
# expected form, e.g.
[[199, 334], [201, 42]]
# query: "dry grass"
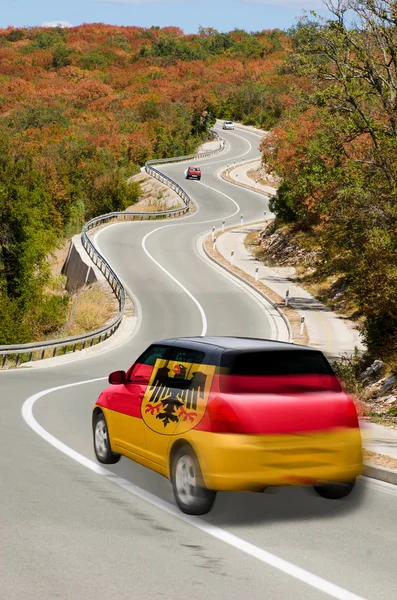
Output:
[[156, 196], [261, 177], [292, 315], [227, 177], [90, 308], [381, 460]]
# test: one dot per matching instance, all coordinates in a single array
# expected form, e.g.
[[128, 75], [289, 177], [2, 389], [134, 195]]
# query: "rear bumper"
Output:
[[240, 462]]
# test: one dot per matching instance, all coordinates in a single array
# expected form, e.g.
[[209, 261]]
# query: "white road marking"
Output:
[[196, 302], [273, 317], [193, 298], [225, 160], [318, 583]]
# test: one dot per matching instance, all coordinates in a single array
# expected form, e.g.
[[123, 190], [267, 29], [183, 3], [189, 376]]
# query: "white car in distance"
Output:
[[228, 125]]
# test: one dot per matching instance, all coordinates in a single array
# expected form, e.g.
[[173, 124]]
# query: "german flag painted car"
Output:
[[222, 413]]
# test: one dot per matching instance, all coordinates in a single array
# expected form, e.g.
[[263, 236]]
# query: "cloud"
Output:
[[298, 4], [57, 24]]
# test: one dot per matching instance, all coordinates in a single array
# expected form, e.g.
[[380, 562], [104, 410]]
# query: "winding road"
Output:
[[72, 529]]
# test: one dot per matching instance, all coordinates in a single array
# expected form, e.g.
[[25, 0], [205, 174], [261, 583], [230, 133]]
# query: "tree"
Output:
[[352, 69]]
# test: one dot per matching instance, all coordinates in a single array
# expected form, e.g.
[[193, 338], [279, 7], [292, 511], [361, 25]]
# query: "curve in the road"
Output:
[[51, 494], [332, 590]]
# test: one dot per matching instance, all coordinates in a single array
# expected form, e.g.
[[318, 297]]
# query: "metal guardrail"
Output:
[[21, 353]]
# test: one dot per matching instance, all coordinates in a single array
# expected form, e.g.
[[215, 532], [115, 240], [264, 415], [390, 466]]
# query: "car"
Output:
[[193, 173], [227, 413], [228, 125]]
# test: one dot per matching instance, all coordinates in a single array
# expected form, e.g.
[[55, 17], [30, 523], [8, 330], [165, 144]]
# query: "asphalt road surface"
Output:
[[72, 529]]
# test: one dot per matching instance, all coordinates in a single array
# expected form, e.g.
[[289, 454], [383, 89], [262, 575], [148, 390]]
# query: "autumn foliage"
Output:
[[83, 108], [336, 150]]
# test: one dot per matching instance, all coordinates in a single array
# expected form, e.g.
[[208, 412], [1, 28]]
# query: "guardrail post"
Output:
[[3, 362], [54, 352], [302, 324]]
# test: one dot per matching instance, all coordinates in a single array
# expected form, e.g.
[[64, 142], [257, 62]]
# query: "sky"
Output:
[[224, 15]]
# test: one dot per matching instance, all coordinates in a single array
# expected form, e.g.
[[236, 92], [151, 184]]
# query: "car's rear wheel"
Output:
[[335, 491], [199, 178], [191, 495], [102, 448]]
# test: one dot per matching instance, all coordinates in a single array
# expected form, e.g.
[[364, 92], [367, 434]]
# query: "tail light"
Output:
[[351, 415], [222, 417]]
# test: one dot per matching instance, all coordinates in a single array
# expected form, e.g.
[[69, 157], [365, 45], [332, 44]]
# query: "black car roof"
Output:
[[243, 344]]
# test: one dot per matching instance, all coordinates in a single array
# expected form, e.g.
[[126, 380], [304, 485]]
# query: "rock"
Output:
[[388, 385], [389, 400], [375, 370]]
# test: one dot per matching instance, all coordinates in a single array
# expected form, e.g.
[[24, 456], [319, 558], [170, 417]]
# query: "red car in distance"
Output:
[[193, 173]]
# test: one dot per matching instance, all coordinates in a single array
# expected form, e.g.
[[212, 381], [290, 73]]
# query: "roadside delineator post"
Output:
[[214, 244], [264, 214], [242, 220], [223, 225], [287, 298], [302, 324], [232, 257], [256, 273], [213, 233]]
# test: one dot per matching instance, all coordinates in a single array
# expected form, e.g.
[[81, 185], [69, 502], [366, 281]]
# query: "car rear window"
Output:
[[276, 371], [281, 362]]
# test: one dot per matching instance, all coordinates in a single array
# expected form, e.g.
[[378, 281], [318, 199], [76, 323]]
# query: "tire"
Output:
[[102, 448], [190, 493], [199, 178], [335, 491]]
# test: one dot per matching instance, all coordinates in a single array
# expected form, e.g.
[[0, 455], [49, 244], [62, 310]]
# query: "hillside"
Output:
[[82, 109], [335, 153]]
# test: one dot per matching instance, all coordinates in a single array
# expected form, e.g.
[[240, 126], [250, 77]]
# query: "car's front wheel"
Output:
[[102, 448], [335, 491], [191, 495]]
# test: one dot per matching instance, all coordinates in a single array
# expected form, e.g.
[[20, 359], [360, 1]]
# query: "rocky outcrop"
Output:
[[380, 390]]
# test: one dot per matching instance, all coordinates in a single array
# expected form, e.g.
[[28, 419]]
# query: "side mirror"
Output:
[[117, 378]]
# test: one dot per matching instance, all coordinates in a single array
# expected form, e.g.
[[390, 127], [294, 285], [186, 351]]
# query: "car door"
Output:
[[128, 426], [173, 403]]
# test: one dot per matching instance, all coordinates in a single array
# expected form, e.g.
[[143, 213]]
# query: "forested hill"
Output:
[[82, 108]]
